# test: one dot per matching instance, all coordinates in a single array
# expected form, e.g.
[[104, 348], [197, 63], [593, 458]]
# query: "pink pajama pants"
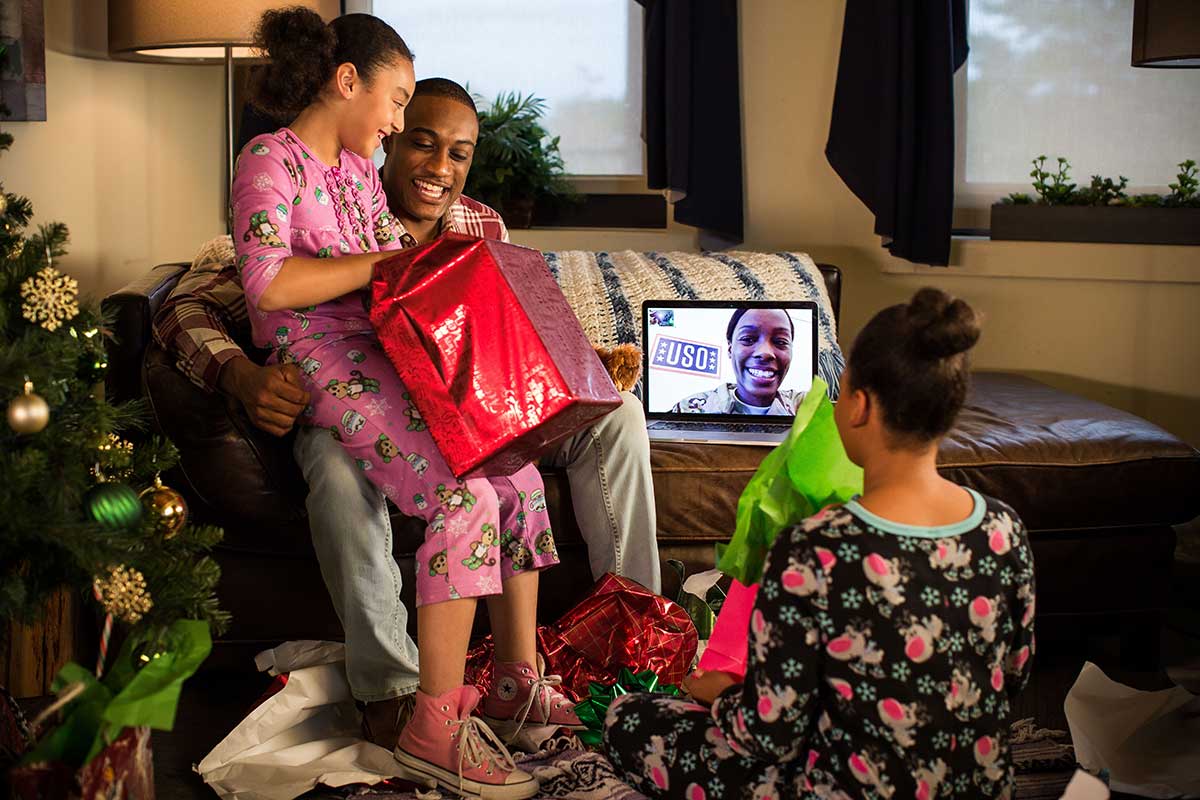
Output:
[[480, 531]]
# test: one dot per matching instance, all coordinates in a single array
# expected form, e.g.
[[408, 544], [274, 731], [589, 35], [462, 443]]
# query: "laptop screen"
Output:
[[745, 359]]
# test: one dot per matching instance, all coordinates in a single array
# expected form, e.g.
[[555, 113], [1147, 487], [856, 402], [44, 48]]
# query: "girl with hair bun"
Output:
[[889, 635], [311, 221]]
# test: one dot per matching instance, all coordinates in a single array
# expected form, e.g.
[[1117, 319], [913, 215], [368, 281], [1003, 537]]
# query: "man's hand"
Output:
[[272, 395], [705, 687]]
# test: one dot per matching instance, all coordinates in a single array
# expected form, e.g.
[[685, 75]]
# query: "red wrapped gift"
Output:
[[619, 624], [490, 351]]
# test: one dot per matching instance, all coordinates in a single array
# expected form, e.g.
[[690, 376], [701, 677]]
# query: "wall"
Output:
[[129, 157], [130, 160]]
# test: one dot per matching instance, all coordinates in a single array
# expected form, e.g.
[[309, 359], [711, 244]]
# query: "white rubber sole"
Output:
[[432, 776]]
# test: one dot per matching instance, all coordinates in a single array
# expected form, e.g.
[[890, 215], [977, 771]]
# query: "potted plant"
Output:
[[1100, 211], [517, 163]]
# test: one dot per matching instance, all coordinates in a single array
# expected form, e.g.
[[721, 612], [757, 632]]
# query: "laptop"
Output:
[[700, 386]]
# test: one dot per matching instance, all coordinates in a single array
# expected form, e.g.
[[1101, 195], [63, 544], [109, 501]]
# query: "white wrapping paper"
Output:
[[1148, 741], [306, 734]]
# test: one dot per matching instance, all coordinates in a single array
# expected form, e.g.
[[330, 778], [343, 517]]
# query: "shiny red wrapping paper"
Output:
[[619, 624], [490, 351]]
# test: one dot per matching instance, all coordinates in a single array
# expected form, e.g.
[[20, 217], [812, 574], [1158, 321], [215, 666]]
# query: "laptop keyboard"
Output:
[[731, 427]]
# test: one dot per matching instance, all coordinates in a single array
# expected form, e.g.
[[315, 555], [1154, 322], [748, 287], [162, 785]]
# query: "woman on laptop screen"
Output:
[[760, 348]]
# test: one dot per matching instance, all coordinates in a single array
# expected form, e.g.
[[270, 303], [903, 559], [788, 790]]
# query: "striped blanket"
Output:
[[606, 290]]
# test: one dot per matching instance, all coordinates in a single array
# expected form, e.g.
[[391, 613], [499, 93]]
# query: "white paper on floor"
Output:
[[1148, 741], [306, 734]]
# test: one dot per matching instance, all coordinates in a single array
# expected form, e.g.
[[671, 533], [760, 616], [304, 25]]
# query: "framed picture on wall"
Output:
[[23, 60]]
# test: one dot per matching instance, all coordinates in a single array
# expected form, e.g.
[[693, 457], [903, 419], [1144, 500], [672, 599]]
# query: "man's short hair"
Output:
[[444, 87]]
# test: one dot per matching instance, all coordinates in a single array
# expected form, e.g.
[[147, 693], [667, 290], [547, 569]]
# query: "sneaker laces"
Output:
[[542, 693], [479, 744]]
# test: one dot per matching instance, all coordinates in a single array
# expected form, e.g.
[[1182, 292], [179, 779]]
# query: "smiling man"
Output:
[[427, 165], [760, 349]]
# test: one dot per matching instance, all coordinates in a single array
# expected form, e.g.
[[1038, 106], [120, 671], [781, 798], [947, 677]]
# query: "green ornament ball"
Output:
[[113, 505]]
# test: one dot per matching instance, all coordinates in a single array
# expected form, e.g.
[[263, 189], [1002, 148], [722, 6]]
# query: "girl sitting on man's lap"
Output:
[[889, 635], [310, 223]]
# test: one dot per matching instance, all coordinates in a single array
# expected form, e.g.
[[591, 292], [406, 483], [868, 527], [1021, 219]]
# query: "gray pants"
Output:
[[608, 467]]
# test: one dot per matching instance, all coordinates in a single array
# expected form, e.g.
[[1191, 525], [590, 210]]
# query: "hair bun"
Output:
[[301, 50], [942, 325]]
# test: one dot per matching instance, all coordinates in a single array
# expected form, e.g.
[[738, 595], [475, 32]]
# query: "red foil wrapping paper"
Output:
[[490, 351], [619, 624]]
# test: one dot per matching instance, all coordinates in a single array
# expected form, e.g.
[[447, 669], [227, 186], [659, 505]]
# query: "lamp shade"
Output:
[[1166, 33], [192, 30]]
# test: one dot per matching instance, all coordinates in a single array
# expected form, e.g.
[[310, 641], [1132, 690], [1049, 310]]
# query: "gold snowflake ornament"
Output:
[[49, 298], [123, 594]]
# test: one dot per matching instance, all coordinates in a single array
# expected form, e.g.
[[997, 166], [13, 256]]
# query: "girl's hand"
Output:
[[705, 687]]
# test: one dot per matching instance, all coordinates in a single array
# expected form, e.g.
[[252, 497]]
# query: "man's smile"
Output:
[[430, 191]]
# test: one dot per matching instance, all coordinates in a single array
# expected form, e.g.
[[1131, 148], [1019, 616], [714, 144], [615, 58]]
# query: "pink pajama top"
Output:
[[287, 203]]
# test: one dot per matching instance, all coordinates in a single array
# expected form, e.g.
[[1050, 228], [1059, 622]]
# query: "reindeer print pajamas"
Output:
[[882, 663]]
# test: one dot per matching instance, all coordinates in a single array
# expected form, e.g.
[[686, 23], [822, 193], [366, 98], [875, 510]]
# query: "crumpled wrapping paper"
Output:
[[1148, 741], [620, 624], [305, 733]]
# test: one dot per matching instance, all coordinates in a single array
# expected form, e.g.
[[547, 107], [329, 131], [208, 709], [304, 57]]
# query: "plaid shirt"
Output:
[[206, 312]]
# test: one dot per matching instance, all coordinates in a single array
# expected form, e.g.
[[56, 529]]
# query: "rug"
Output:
[[1044, 760]]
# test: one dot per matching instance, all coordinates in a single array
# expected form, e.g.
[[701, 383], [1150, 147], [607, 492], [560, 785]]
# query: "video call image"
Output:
[[754, 361]]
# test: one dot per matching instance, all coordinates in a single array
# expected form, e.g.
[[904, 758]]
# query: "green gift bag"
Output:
[[806, 472]]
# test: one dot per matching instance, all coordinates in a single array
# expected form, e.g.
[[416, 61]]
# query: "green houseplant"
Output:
[[517, 162], [1101, 211]]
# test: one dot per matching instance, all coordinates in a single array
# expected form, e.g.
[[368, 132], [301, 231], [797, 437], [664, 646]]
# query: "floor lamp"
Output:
[[196, 32]]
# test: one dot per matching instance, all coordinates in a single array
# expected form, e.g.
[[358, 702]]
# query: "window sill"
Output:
[[980, 257], [611, 211]]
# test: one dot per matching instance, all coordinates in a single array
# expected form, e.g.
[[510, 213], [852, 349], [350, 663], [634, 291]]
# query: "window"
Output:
[[584, 57], [1053, 78]]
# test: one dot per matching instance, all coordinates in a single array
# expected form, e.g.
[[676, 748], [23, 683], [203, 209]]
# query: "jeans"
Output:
[[608, 467], [352, 535]]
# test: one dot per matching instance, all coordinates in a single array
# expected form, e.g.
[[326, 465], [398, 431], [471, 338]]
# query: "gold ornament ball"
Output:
[[28, 412], [3, 204], [167, 507]]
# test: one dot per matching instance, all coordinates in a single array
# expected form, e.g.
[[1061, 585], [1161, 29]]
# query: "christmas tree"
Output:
[[82, 504]]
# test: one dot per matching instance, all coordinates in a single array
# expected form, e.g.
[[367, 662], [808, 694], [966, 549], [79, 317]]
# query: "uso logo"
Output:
[[681, 355]]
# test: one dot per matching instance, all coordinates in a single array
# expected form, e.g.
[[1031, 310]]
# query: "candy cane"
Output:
[[105, 635]]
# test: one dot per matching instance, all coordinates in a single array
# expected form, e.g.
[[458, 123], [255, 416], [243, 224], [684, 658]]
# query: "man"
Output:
[[608, 465]]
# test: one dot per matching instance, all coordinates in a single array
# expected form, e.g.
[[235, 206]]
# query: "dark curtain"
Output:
[[891, 138], [692, 109]]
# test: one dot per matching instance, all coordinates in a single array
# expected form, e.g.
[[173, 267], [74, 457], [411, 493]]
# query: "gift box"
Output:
[[490, 351], [619, 625]]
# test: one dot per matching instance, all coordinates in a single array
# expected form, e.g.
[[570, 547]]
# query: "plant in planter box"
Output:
[[516, 160], [1100, 211]]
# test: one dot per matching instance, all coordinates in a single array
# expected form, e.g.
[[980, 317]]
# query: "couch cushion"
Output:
[[1063, 461]]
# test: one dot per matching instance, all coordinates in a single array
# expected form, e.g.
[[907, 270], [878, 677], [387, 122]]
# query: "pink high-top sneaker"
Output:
[[523, 696], [445, 745]]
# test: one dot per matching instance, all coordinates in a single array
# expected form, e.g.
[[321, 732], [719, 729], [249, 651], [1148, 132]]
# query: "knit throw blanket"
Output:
[[606, 290]]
